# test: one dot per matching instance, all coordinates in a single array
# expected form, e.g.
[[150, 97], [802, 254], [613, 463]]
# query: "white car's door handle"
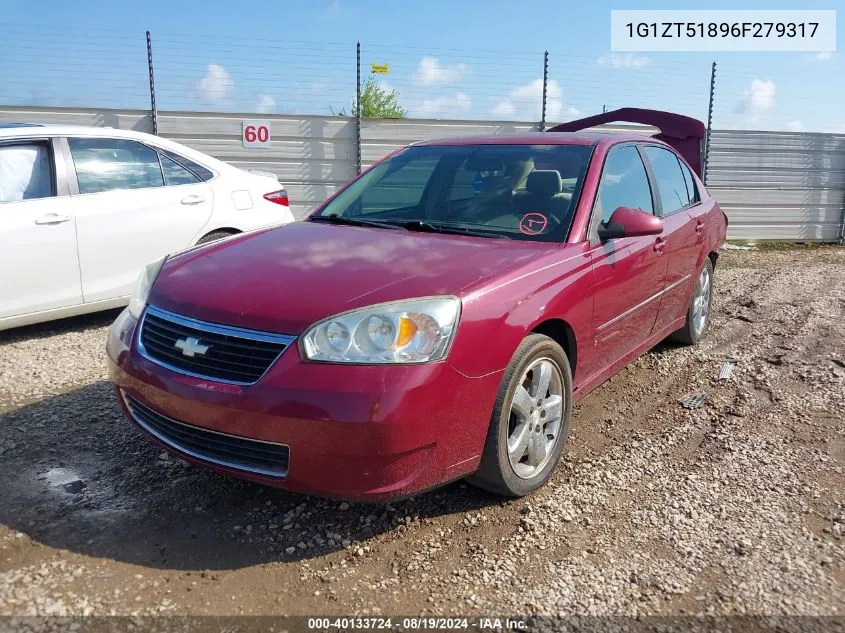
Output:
[[52, 218], [193, 199]]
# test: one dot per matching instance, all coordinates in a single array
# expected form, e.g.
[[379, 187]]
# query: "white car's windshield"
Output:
[[507, 191]]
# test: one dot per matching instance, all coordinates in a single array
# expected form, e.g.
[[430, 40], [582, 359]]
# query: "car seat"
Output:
[[543, 195]]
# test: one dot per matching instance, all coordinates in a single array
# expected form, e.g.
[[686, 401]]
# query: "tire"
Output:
[[214, 236], [695, 327], [498, 472]]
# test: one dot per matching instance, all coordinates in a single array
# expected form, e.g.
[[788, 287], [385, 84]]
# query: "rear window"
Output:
[[517, 191], [107, 164], [195, 168], [175, 174]]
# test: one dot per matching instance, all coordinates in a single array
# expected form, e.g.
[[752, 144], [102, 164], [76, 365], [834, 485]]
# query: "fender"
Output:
[[561, 280]]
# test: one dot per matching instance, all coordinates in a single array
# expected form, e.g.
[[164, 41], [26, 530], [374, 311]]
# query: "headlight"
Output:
[[409, 331], [142, 289]]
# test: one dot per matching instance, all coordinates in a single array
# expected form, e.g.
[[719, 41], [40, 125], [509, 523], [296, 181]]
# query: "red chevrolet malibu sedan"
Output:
[[433, 320]]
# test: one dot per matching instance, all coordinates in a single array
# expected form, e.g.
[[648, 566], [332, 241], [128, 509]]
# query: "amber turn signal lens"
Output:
[[407, 331]]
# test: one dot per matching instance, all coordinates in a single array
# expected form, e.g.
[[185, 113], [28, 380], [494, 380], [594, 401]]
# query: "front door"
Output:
[[130, 210], [39, 269], [628, 273]]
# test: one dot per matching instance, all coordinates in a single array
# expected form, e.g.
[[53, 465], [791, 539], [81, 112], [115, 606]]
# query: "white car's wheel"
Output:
[[214, 236]]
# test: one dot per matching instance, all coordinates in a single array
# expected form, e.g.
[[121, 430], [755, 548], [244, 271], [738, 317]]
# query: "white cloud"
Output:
[[265, 104], [573, 113], [217, 85], [794, 126], [430, 72], [333, 10], [824, 56], [385, 86], [451, 104], [526, 101], [629, 60], [758, 98], [314, 88], [504, 108]]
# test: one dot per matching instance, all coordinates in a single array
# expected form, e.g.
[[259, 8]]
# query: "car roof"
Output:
[[40, 129], [540, 138], [19, 125]]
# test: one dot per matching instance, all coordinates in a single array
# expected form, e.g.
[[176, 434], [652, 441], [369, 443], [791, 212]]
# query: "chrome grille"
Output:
[[241, 453], [208, 350]]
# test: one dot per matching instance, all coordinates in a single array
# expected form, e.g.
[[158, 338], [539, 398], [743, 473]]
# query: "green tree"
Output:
[[376, 103]]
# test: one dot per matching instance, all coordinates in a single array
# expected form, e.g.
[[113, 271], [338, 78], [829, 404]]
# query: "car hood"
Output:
[[287, 278]]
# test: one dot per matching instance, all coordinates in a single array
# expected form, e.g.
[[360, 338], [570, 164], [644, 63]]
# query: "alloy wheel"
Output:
[[535, 418], [701, 302]]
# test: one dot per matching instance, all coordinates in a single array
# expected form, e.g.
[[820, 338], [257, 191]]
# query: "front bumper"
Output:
[[353, 431]]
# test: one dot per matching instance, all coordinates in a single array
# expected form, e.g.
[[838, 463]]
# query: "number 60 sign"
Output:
[[256, 133]]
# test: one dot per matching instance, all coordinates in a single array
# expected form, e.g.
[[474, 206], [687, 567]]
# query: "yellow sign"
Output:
[[379, 69]]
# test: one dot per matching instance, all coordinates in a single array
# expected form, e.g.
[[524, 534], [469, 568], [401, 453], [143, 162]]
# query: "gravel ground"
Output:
[[734, 508]]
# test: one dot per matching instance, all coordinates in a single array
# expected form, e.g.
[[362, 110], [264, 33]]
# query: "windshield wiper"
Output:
[[430, 227], [334, 218]]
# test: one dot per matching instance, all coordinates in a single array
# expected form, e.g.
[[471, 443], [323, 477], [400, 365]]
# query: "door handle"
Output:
[[52, 218], [659, 245], [699, 227], [193, 200]]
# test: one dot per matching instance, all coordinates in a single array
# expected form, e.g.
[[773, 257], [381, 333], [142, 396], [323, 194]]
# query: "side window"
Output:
[[624, 183], [25, 172], [198, 170], [671, 185], [400, 189], [104, 164], [175, 174], [692, 188]]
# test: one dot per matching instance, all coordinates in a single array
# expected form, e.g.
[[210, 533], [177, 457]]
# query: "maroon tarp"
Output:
[[683, 133]]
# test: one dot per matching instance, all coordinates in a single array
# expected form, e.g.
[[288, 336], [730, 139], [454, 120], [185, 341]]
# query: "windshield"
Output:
[[526, 192]]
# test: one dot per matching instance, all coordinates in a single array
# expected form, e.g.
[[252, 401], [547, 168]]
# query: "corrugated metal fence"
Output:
[[773, 185], [311, 155], [779, 185]]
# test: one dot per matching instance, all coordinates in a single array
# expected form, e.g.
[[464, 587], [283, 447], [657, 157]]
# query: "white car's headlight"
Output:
[[138, 301], [408, 331]]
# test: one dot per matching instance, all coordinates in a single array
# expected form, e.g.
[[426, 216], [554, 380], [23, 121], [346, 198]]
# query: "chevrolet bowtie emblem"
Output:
[[191, 346]]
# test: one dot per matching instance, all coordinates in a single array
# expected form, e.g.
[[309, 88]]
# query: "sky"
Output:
[[448, 59]]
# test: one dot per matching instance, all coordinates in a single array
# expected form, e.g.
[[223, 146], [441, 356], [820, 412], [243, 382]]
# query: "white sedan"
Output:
[[82, 210]]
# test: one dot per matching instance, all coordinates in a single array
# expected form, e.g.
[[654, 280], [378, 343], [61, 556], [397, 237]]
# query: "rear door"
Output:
[[682, 241], [39, 269], [628, 272], [132, 205]]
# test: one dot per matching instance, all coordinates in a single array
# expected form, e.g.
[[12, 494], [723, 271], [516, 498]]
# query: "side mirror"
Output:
[[627, 222]]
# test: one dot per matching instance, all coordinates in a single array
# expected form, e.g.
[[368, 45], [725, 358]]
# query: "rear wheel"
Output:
[[214, 236], [530, 420], [698, 313]]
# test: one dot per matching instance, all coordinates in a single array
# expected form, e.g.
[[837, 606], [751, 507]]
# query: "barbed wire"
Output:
[[201, 72]]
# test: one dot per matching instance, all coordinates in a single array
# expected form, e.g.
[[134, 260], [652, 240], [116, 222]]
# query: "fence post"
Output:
[[842, 226], [709, 125], [545, 85], [153, 111], [358, 107]]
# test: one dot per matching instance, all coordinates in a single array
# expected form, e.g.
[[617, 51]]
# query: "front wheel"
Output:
[[530, 420], [698, 313]]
